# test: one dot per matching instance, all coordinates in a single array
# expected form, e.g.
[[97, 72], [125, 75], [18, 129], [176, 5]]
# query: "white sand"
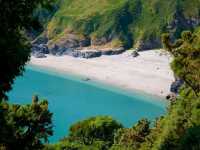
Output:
[[150, 72]]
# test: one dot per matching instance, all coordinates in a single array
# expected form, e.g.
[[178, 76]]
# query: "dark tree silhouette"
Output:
[[23, 127], [15, 16]]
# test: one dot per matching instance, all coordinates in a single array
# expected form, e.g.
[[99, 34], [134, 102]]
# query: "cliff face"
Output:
[[118, 23]]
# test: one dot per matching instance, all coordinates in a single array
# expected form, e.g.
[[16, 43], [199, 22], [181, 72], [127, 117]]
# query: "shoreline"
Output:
[[118, 71], [99, 84]]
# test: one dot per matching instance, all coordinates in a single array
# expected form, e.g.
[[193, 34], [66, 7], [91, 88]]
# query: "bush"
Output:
[[96, 128], [25, 126]]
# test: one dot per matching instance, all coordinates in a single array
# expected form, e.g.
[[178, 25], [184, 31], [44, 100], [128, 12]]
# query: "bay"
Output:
[[71, 99]]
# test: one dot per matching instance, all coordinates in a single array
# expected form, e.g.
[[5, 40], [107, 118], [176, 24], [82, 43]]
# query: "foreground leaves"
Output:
[[25, 127]]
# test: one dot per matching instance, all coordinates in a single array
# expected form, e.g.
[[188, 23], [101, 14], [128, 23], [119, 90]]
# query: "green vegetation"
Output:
[[94, 133], [186, 63], [99, 128], [24, 127], [42, 15], [27, 127], [131, 138], [15, 49], [138, 23]]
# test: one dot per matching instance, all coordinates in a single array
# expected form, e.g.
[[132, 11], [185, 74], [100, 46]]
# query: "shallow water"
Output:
[[71, 99]]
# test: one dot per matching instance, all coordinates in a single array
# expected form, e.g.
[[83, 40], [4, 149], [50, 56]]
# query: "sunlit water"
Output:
[[71, 99]]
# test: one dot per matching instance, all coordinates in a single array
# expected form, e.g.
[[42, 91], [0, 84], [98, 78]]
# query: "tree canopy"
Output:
[[96, 128], [186, 63], [16, 16], [25, 127]]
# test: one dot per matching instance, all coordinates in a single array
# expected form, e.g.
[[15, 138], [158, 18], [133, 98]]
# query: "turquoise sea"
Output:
[[71, 99]]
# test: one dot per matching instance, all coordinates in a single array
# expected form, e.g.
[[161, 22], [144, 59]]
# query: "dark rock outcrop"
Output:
[[85, 42], [40, 48], [171, 97], [38, 55], [86, 54], [174, 89], [175, 86], [40, 40], [115, 51], [94, 53], [99, 41], [151, 43], [73, 45], [57, 50], [135, 53], [68, 44]]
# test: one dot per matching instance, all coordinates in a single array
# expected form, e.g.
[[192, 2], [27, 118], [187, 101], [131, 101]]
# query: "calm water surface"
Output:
[[71, 99]]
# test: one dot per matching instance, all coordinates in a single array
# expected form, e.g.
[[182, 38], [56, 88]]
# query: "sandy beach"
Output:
[[149, 72]]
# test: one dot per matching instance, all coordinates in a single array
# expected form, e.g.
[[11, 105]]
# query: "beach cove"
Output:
[[72, 99], [150, 72]]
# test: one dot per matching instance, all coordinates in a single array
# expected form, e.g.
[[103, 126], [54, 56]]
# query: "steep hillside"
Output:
[[116, 23]]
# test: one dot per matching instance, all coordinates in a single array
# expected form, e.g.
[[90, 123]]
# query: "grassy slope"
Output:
[[125, 22]]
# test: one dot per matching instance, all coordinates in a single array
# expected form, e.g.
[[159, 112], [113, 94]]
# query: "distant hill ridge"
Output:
[[119, 23]]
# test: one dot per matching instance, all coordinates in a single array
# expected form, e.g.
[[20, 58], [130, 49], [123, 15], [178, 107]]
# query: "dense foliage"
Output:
[[24, 127], [16, 15], [98, 128], [94, 133], [131, 138], [187, 58], [128, 23]]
